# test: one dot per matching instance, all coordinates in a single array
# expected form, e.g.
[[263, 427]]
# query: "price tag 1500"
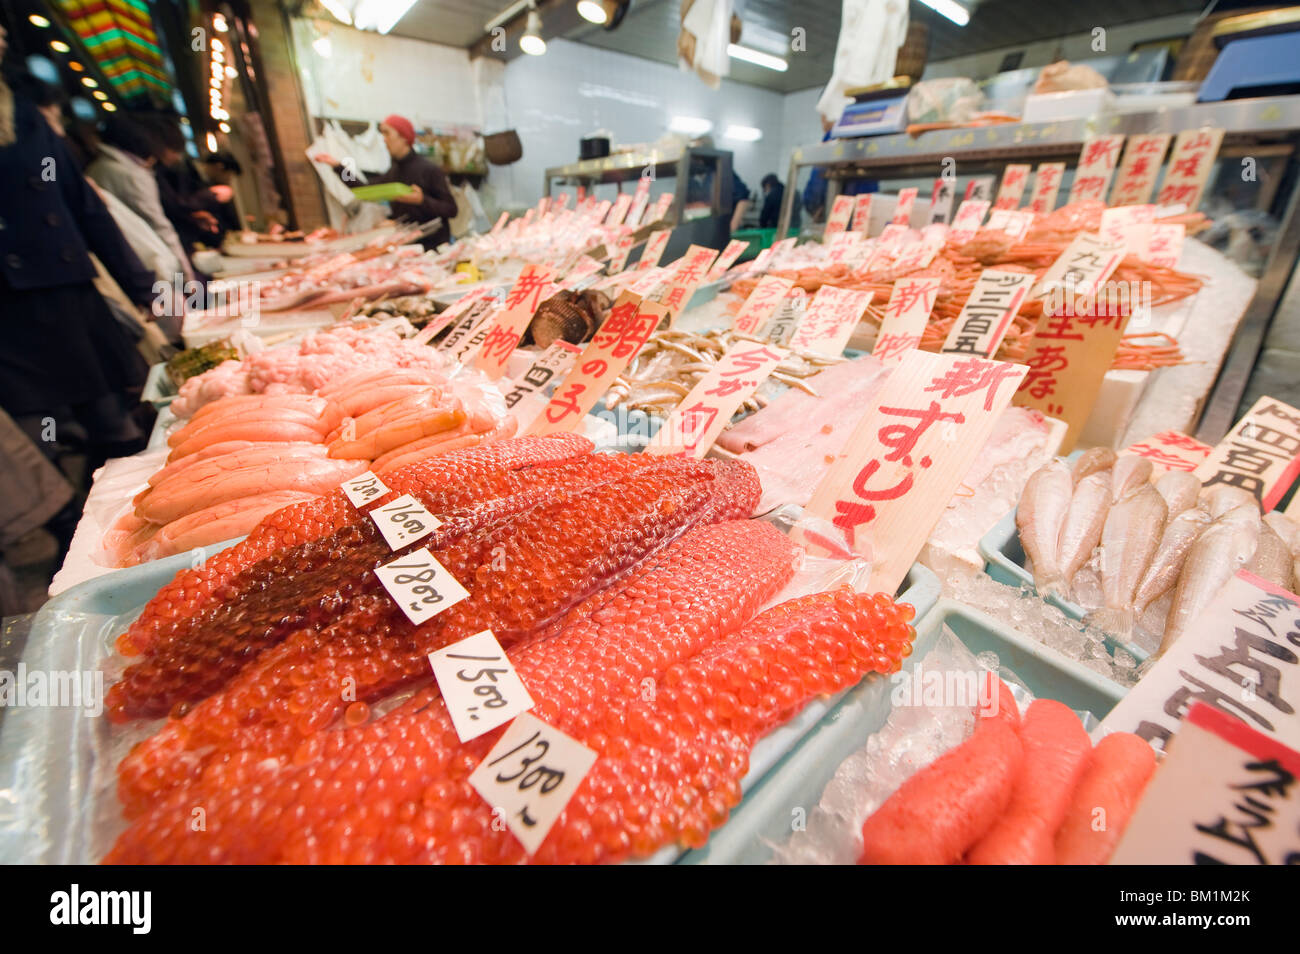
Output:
[[420, 585], [404, 521], [530, 775], [479, 684], [364, 488]]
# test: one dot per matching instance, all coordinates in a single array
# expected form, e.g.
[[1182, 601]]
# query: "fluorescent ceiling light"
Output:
[[592, 11], [337, 11], [951, 9], [690, 125], [531, 42], [743, 133], [759, 58], [380, 15]]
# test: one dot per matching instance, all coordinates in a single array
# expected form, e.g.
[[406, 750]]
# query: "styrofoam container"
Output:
[[800, 776], [1072, 104]]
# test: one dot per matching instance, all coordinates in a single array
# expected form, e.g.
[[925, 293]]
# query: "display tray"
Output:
[[57, 766], [801, 774], [158, 387]]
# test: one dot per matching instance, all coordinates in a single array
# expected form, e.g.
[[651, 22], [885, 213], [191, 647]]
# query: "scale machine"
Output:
[[875, 111], [1259, 55]]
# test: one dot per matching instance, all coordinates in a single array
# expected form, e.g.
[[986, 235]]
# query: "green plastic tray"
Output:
[[381, 192]]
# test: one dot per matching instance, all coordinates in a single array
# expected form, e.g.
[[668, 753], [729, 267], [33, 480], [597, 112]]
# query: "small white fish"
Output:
[[1081, 531], [1180, 489], [1272, 559], [1180, 533], [1222, 549], [1091, 461], [1218, 499], [1039, 518], [1284, 527], [1130, 474], [1128, 544]]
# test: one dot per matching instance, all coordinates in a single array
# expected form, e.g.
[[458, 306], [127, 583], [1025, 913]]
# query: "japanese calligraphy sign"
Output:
[[941, 198], [639, 201], [622, 248], [661, 207], [475, 320], [619, 211], [654, 249], [844, 246], [1014, 179], [1261, 454], [1170, 450], [1086, 262], [1097, 161], [841, 213], [983, 321], [903, 210], [913, 255], [1047, 183], [1069, 355], [726, 259], [688, 273], [979, 189], [830, 319], [761, 303], [697, 421], [549, 366], [1189, 166], [584, 268], [785, 320], [861, 221], [1114, 222], [908, 310], [967, 221], [1159, 243], [1240, 656], [1225, 795], [450, 314], [631, 321], [530, 289], [907, 455], [1013, 223], [1137, 173]]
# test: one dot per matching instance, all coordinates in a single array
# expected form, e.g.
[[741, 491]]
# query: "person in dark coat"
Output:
[[62, 354], [431, 197]]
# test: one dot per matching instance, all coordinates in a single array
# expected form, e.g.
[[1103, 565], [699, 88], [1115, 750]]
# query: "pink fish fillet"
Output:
[[223, 521], [257, 431]]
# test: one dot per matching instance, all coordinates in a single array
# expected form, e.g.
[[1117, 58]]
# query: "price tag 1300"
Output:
[[530, 775], [404, 521], [364, 488], [479, 684], [420, 585]]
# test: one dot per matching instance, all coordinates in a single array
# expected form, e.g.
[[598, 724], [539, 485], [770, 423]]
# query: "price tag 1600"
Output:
[[420, 585], [364, 488], [530, 775], [479, 684], [404, 521]]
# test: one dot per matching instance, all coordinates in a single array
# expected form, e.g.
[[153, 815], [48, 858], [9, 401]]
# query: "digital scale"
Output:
[[875, 111], [1259, 56]]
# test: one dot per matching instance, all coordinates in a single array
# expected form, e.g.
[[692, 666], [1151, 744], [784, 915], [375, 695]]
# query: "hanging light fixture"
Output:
[[39, 21], [58, 46], [593, 11], [531, 42]]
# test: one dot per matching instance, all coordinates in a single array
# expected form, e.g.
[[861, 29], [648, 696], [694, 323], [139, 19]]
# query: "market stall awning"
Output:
[[119, 35]]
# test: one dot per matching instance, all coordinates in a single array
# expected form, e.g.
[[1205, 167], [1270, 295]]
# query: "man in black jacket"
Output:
[[430, 195]]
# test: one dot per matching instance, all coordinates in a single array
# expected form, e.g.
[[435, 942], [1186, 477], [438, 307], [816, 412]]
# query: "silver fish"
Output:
[[1128, 544], [1175, 543], [1222, 549], [1272, 559], [1130, 474], [1039, 517], [1284, 527], [1091, 461], [1083, 523], [1180, 490], [1218, 499]]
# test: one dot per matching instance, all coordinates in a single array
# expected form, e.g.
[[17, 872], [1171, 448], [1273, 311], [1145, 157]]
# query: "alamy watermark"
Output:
[[55, 689]]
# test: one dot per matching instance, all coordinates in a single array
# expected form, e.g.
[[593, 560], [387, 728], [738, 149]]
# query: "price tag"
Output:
[[903, 210], [841, 213], [509, 323], [639, 201], [697, 421], [761, 303], [1225, 795], [622, 248], [1047, 183], [1143, 155], [1080, 270], [1156, 243], [910, 304], [552, 363], [479, 684], [530, 775], [1239, 656], [829, 322], [861, 220], [979, 189], [1013, 223], [779, 251], [893, 234], [930, 418], [363, 489], [420, 585], [1170, 450], [843, 246], [1261, 454], [941, 199], [726, 259], [1097, 161], [621, 205], [784, 322], [404, 521], [1115, 222], [761, 260], [661, 207], [1189, 166], [687, 275], [1014, 179], [970, 214], [983, 321], [654, 249]]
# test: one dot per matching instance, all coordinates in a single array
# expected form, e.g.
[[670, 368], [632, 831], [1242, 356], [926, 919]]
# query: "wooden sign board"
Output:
[[1014, 179], [1047, 183], [1261, 454], [757, 309], [910, 304], [1143, 155], [1097, 161], [984, 320], [1189, 167]]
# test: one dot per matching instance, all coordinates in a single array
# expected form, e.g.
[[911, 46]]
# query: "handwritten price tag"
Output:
[[941, 199], [987, 314], [654, 249], [420, 585], [404, 521], [530, 775], [620, 209], [841, 214], [1097, 161], [1014, 178], [1189, 166], [363, 488], [1137, 173], [829, 322], [639, 201], [906, 315], [726, 259], [509, 324], [970, 214], [1170, 450], [762, 301], [479, 685], [903, 210], [1047, 183], [1261, 454]]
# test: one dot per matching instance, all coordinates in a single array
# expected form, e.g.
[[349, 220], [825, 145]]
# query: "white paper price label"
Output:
[[479, 685], [404, 521], [420, 585], [363, 489], [530, 775]]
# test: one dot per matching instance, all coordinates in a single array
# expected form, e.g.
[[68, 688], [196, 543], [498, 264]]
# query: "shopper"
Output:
[[63, 358], [219, 170], [430, 197], [185, 197], [773, 195]]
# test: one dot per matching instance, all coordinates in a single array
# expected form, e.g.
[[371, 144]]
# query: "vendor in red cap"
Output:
[[430, 196]]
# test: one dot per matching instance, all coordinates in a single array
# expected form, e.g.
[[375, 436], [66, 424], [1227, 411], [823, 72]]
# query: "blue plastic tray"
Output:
[[800, 776]]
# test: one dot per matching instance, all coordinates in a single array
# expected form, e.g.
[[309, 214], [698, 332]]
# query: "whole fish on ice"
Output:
[[1219, 552], [1040, 517]]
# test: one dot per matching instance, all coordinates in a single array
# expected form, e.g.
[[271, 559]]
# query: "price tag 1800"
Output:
[[530, 775], [364, 488], [420, 585], [404, 521], [479, 684]]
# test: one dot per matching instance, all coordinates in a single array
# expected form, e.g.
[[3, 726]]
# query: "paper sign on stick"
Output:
[[530, 290], [761, 303], [1261, 454], [1014, 178], [986, 317], [906, 315], [830, 319], [1137, 173], [1047, 183]]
